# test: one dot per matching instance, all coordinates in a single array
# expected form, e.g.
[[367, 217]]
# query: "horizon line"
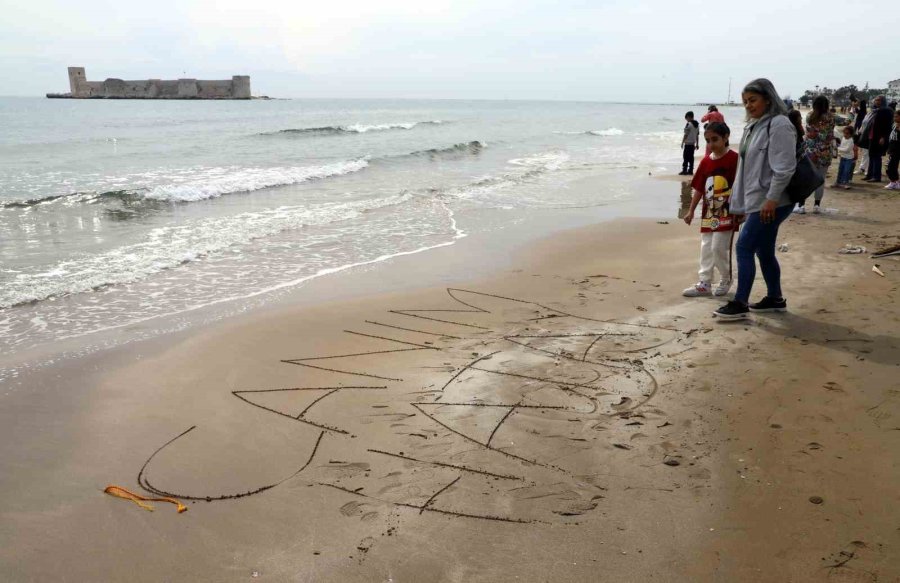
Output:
[[493, 99]]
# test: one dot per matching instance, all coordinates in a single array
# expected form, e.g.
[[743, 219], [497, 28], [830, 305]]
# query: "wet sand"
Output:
[[572, 418]]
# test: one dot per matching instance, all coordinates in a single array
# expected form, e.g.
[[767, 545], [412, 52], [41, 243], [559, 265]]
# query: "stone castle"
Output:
[[238, 87]]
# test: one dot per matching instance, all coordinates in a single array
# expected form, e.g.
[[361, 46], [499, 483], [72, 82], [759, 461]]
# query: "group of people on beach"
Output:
[[864, 137], [743, 193]]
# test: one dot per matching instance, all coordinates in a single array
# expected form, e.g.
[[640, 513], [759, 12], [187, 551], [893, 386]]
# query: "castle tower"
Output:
[[77, 82], [240, 87]]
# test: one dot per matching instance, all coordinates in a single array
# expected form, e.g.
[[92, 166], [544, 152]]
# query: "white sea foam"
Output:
[[664, 136], [362, 128], [168, 247], [607, 132], [358, 128], [544, 161], [533, 166], [215, 182]]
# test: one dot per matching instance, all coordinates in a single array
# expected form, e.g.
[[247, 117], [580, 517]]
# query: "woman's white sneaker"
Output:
[[700, 288]]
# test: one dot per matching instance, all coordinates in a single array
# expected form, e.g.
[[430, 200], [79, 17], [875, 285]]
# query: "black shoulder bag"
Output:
[[806, 178]]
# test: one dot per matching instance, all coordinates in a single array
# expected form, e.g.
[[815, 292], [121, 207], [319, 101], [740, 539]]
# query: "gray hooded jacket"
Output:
[[767, 166]]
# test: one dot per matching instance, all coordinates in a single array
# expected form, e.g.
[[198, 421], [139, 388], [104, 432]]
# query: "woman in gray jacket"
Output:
[[768, 158]]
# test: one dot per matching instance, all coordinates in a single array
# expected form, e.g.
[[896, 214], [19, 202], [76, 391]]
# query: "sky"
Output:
[[655, 51]]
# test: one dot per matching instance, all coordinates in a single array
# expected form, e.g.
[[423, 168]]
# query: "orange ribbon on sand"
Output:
[[120, 492]]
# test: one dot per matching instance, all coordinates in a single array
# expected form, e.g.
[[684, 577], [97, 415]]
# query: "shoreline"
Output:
[[577, 355], [456, 260]]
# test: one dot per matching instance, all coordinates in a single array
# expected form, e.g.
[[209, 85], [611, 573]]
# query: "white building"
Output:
[[893, 93]]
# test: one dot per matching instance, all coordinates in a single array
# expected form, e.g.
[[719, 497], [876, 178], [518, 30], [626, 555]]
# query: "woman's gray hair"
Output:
[[765, 88]]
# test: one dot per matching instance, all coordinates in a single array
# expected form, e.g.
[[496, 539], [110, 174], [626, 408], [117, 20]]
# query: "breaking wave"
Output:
[[203, 184], [74, 197], [249, 180], [473, 147], [606, 132], [353, 129], [206, 183], [171, 246], [529, 168]]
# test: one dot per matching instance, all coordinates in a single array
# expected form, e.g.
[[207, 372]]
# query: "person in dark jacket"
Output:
[[861, 112], [878, 134], [894, 155]]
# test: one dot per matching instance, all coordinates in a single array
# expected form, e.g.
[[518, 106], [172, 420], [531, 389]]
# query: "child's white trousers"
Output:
[[715, 253]]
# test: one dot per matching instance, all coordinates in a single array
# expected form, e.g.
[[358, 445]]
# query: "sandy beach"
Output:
[[570, 418]]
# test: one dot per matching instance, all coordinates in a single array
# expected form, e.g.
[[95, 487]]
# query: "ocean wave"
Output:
[[202, 184], [249, 180], [473, 147], [606, 132], [663, 135], [353, 129], [74, 197], [170, 247], [531, 167], [543, 162]]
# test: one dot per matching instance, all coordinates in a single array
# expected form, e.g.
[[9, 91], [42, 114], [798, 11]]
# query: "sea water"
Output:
[[114, 213]]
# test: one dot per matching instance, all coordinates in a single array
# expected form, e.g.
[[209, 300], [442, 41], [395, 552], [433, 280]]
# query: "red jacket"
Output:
[[713, 116]]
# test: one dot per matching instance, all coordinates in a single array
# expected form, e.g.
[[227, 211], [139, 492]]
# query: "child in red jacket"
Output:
[[712, 185]]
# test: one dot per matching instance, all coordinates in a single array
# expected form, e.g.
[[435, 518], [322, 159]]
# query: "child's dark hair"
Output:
[[689, 114], [720, 129]]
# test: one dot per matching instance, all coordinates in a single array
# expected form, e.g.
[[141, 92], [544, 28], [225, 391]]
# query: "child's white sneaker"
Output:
[[723, 288], [800, 210], [816, 209], [893, 186], [701, 288]]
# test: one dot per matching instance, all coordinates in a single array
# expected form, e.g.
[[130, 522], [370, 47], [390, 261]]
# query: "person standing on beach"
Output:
[[820, 145], [712, 184], [863, 119], [894, 154], [878, 134], [767, 162], [689, 143], [712, 116], [847, 153]]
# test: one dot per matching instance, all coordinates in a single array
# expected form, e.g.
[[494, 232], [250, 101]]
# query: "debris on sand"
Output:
[[849, 249]]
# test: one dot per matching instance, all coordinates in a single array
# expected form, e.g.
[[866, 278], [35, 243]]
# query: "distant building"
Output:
[[238, 87], [893, 93]]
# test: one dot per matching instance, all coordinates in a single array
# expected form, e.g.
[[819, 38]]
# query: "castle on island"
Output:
[[238, 87]]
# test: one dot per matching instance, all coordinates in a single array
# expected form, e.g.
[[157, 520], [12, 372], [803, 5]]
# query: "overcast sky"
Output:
[[650, 51]]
